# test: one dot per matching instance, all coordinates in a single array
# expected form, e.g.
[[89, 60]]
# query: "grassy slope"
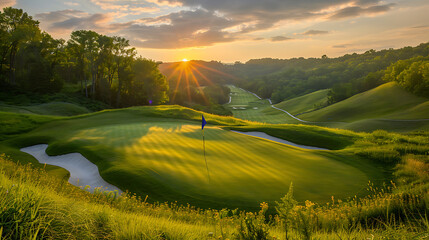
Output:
[[141, 150], [52, 108], [304, 103], [255, 109], [386, 101]]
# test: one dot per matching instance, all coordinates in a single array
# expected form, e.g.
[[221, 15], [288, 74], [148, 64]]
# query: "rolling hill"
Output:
[[306, 103], [388, 101]]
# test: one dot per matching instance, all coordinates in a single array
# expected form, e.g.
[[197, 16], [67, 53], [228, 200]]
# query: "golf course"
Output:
[[163, 158], [387, 107], [228, 120]]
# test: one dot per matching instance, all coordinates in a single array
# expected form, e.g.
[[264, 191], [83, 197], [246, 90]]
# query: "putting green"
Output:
[[163, 158]]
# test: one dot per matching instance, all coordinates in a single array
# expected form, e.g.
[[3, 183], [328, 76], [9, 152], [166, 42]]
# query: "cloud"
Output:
[[123, 8], [61, 23], [421, 26], [280, 38], [7, 3], [203, 22], [181, 30], [356, 11], [269, 12], [314, 32], [342, 46]]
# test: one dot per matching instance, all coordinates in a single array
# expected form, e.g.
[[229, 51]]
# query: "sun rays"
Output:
[[190, 73]]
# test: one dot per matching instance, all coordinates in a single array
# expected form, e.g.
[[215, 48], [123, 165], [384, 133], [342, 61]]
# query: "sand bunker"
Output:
[[82, 171], [266, 136]]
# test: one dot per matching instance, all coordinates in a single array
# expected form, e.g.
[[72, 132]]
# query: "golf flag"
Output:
[[203, 123]]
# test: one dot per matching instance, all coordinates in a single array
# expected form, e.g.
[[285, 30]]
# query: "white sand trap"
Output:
[[266, 136], [255, 108], [82, 171]]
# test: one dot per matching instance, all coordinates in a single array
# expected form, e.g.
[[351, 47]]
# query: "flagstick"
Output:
[[207, 166]]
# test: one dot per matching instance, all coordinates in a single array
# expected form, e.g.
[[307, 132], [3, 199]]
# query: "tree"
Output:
[[148, 83], [123, 56], [17, 27], [80, 43]]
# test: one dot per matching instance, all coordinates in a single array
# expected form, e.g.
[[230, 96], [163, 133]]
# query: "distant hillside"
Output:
[[388, 101], [305, 103]]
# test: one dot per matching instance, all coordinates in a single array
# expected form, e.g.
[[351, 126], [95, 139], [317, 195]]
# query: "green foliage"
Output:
[[105, 67], [284, 208], [347, 75], [342, 91], [217, 93], [411, 74], [253, 227], [147, 85]]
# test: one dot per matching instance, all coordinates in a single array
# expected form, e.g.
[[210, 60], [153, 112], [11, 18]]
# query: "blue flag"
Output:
[[203, 123]]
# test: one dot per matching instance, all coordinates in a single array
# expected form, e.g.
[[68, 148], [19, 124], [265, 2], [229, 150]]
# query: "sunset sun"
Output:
[[185, 60]]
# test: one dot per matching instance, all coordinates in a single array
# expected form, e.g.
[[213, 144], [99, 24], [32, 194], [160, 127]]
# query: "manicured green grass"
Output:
[[306, 103], [163, 158], [388, 101], [52, 108], [245, 105]]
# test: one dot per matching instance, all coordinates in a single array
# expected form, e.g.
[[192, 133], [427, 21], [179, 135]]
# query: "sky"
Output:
[[239, 30]]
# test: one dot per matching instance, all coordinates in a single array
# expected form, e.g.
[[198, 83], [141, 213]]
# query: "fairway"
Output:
[[245, 105], [163, 158]]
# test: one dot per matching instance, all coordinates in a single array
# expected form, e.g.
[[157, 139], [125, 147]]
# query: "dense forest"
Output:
[[106, 68]]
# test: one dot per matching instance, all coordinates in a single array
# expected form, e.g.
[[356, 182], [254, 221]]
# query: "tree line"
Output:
[[350, 74], [412, 74], [106, 68]]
